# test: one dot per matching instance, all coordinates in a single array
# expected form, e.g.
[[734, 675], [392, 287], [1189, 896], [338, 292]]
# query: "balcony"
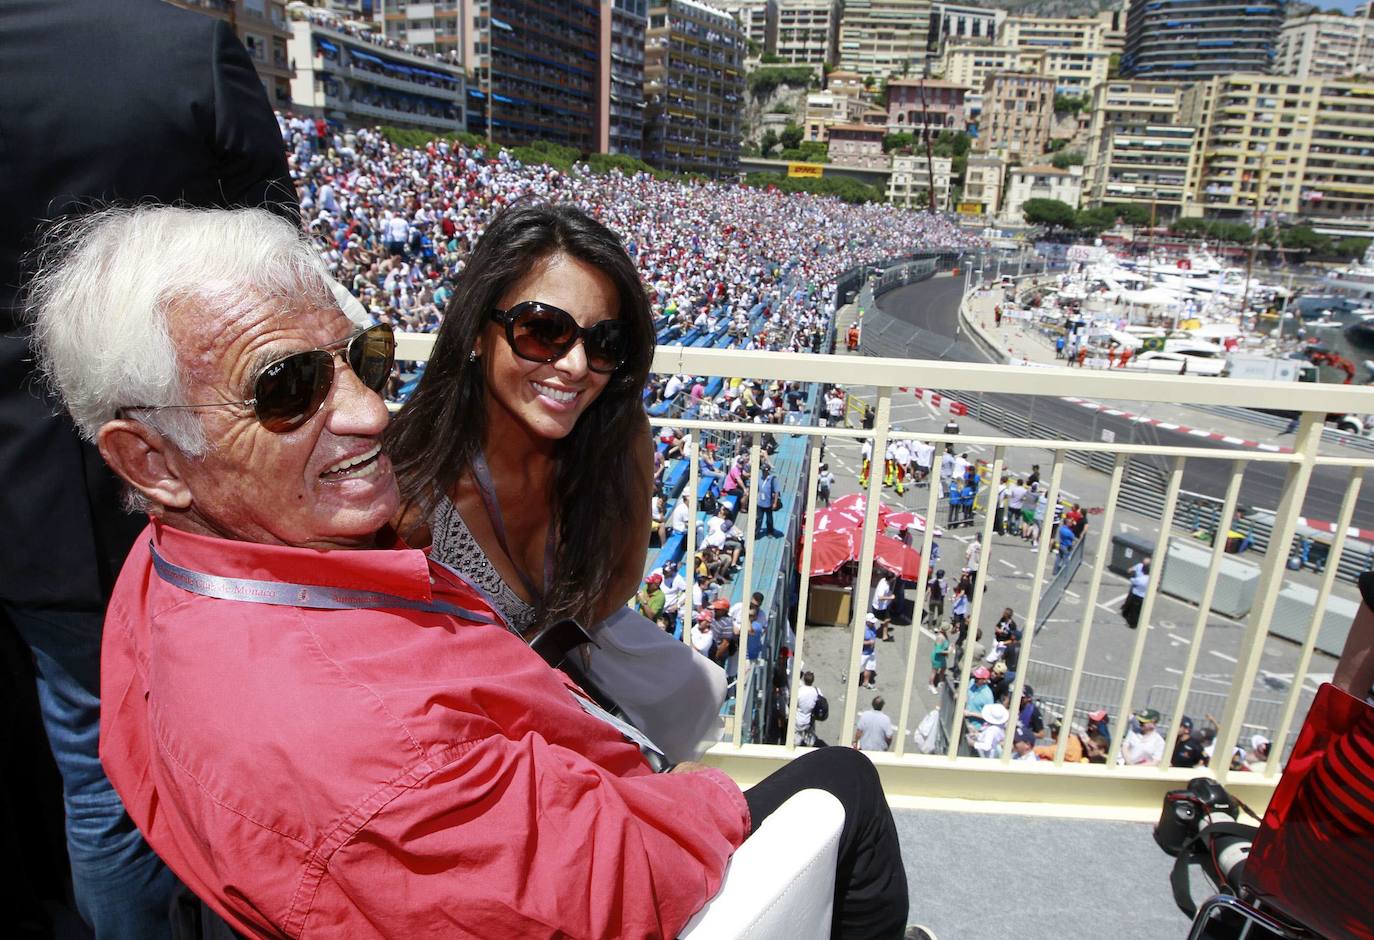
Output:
[[1263, 681]]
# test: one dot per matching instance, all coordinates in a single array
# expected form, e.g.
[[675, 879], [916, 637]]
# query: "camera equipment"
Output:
[[1198, 826]]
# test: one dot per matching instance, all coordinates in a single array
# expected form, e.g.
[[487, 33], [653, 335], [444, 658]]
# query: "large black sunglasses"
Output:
[[541, 332], [290, 390]]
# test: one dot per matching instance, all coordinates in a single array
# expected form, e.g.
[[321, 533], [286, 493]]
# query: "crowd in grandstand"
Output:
[[397, 224], [325, 18]]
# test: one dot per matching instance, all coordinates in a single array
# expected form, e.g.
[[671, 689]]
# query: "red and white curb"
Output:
[[939, 402], [1180, 428]]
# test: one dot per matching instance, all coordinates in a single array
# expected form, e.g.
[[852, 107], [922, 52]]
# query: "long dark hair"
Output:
[[434, 438]]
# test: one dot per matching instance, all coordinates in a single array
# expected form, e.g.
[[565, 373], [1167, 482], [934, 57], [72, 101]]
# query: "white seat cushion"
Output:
[[780, 885]]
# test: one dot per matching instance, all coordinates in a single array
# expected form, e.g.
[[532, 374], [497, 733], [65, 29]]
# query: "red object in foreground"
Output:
[[827, 520], [857, 503], [832, 550], [891, 555], [914, 521]]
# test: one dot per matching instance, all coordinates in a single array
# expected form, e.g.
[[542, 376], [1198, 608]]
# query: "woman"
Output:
[[524, 454]]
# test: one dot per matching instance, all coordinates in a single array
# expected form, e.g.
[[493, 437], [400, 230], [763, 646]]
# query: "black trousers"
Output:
[[870, 880]]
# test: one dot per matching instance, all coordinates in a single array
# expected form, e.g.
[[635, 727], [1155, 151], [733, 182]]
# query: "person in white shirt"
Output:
[[973, 553], [960, 469], [925, 454], [672, 387], [701, 636], [807, 694], [874, 730], [682, 514], [946, 467], [1024, 745], [674, 587], [1145, 746], [987, 741], [883, 596]]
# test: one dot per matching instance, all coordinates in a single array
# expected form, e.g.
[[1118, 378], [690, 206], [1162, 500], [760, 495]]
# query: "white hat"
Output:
[[995, 713], [870, 619], [1258, 741]]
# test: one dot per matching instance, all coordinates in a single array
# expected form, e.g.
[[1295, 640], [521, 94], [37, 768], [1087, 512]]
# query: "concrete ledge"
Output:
[[985, 343], [978, 785]]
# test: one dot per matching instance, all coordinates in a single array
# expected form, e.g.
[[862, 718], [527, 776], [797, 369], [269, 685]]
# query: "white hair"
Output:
[[106, 280]]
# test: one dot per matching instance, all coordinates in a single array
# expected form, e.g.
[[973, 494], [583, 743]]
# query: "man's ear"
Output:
[[139, 454]]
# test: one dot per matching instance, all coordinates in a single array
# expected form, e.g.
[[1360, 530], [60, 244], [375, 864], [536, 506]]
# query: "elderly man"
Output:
[[317, 728]]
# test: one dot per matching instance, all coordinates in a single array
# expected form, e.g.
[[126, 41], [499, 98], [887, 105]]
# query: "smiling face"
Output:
[[544, 399], [325, 484]]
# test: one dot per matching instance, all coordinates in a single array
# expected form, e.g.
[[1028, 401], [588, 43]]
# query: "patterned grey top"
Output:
[[454, 545]]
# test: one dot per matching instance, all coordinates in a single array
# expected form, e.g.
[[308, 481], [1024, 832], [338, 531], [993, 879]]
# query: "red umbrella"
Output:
[[914, 521], [857, 503], [831, 550], [891, 555], [830, 519]]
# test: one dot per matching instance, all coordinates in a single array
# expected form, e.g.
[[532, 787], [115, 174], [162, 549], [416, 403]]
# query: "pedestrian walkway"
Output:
[[844, 317], [1014, 340]]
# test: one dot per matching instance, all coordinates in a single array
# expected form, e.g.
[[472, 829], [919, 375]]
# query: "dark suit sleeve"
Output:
[[248, 143]]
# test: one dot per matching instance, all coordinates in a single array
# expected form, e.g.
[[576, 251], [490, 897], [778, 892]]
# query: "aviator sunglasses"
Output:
[[290, 390], [541, 332]]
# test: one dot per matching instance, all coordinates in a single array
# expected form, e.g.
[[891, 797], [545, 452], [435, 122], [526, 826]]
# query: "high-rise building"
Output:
[[439, 28], [959, 23], [884, 38], [970, 64], [1114, 28], [1196, 39], [808, 31], [1018, 110], [758, 19], [262, 27], [620, 128], [1052, 32], [1317, 45], [1138, 150], [1269, 143], [356, 76], [693, 88]]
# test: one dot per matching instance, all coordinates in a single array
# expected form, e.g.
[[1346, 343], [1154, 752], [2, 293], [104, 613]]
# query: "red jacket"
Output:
[[386, 773]]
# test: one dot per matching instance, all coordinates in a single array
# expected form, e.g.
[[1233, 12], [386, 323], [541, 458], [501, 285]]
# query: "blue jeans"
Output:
[[122, 888]]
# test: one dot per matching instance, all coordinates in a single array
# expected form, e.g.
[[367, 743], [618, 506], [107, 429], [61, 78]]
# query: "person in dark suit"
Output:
[[101, 103]]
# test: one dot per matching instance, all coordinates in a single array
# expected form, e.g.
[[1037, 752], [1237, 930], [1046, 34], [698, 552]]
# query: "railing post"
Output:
[[688, 611], [1266, 596], [803, 592], [859, 597], [927, 540], [742, 644], [1219, 537]]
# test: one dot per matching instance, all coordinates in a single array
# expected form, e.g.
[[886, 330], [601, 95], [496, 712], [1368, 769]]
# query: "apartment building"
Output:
[[758, 19], [808, 31], [959, 23], [825, 109], [1196, 39], [1114, 29], [970, 64], [693, 88], [1018, 110], [910, 182], [883, 38], [620, 106], [1326, 45], [916, 103], [1052, 32], [1025, 183], [983, 178], [857, 145], [264, 30], [351, 75], [1138, 150], [1304, 147]]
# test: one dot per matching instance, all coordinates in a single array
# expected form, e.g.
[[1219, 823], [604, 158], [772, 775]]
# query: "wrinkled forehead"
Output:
[[229, 339]]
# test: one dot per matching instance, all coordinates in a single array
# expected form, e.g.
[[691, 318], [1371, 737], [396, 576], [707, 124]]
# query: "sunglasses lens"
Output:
[[543, 333], [371, 355], [606, 346], [290, 390]]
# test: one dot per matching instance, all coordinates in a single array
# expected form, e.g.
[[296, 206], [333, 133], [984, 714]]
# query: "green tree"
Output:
[[1051, 213], [901, 140], [1129, 212], [1069, 104], [770, 58], [951, 144], [1304, 238], [1114, 66], [791, 136], [769, 141], [1095, 221], [1350, 247], [1188, 228], [1067, 158]]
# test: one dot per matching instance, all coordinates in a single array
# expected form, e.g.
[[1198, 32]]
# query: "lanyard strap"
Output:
[[481, 475], [561, 636], [285, 594]]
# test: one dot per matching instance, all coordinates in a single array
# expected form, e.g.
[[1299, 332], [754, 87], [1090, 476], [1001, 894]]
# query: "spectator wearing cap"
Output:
[[1144, 746], [1028, 717], [651, 597], [1024, 745], [987, 740], [868, 664], [701, 636], [674, 587], [1099, 724], [979, 696], [873, 731], [1073, 750], [722, 534], [1187, 749], [723, 631]]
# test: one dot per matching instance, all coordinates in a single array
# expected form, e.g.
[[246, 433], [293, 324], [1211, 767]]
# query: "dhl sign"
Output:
[[806, 170]]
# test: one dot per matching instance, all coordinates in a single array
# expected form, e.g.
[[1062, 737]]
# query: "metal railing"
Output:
[[955, 777]]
